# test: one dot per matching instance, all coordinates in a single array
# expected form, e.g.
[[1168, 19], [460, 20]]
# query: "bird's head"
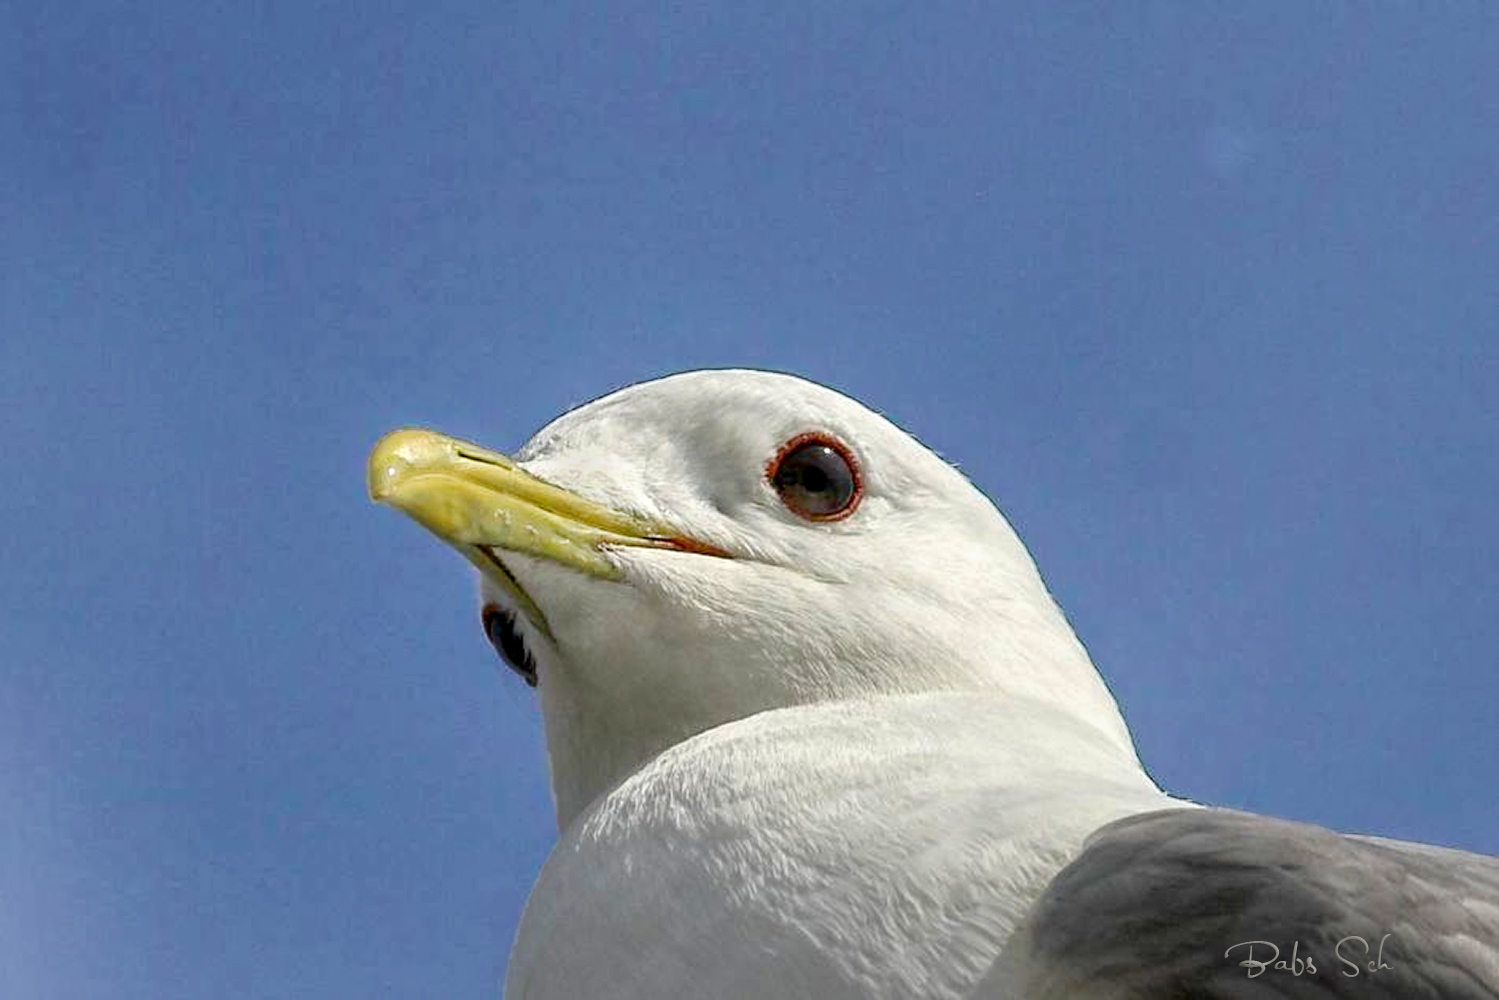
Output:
[[691, 551]]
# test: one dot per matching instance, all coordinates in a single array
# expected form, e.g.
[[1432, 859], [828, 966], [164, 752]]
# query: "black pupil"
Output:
[[499, 625], [815, 480]]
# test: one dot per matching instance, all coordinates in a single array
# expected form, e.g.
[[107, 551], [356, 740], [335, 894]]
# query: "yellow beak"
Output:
[[479, 501]]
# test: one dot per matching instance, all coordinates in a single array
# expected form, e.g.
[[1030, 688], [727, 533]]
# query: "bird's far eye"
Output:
[[499, 626], [816, 477]]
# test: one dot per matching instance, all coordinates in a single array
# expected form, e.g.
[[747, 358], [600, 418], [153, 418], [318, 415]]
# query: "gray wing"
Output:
[[1165, 905]]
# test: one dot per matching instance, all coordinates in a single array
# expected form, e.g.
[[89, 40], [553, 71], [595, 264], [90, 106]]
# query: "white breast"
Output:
[[883, 848]]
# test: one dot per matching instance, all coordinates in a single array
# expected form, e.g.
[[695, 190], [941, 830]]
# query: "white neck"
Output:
[[942, 816], [608, 713]]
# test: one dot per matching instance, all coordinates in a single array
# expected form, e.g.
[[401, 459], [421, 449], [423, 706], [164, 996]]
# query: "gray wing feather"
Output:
[[1161, 905]]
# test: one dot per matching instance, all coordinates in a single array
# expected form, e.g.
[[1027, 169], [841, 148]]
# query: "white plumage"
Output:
[[842, 757]]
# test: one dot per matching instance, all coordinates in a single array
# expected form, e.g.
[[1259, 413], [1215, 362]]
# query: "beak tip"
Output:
[[399, 453]]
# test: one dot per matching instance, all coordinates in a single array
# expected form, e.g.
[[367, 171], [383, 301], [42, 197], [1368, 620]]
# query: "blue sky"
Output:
[[1208, 301]]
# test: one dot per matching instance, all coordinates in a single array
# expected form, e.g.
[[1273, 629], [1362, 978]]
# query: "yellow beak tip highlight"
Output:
[[402, 453]]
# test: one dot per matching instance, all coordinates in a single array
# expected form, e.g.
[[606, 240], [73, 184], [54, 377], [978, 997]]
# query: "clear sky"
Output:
[[1208, 301]]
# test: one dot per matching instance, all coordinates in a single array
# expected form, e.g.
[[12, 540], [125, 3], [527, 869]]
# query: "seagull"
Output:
[[817, 729]]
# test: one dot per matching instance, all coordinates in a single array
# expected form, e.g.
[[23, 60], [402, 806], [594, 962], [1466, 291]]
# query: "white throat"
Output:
[[638, 671]]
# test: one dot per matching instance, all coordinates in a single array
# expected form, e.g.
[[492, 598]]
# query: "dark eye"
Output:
[[816, 478], [499, 625]]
